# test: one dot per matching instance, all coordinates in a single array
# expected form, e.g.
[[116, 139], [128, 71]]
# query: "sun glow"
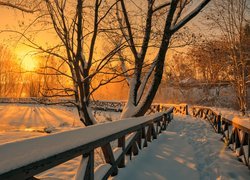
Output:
[[29, 64]]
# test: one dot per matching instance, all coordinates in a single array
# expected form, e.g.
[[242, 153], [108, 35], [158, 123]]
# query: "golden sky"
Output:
[[11, 19]]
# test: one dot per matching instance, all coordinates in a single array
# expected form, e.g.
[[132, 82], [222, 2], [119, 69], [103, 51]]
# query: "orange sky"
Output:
[[10, 19]]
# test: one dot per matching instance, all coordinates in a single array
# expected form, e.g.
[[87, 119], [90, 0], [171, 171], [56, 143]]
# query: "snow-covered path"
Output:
[[189, 149]]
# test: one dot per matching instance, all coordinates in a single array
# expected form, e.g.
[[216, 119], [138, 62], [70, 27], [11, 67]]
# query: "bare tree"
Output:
[[27, 6], [148, 45], [9, 73], [181, 70], [211, 60], [77, 26], [230, 18]]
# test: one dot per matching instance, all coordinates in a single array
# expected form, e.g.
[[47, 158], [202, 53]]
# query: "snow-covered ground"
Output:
[[18, 121], [189, 149]]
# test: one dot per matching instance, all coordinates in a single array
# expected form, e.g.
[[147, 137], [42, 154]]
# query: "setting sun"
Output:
[[29, 64]]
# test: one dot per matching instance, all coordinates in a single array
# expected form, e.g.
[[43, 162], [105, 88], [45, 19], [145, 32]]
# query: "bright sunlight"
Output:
[[28, 63]]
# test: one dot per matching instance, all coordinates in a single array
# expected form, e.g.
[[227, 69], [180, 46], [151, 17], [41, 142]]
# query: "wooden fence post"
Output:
[[158, 108], [121, 144], [164, 122], [219, 124], [139, 139], [109, 157], [89, 173], [248, 158], [186, 109]]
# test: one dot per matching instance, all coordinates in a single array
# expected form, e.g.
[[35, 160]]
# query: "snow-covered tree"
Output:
[[148, 38], [78, 26], [229, 17]]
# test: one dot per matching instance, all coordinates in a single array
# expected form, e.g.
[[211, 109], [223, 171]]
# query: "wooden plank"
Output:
[[139, 139], [160, 126], [248, 154], [153, 131], [109, 157], [145, 143], [121, 143], [242, 152], [157, 127], [164, 123], [149, 133], [143, 132], [130, 143], [237, 140], [135, 149], [128, 146], [89, 173], [218, 124]]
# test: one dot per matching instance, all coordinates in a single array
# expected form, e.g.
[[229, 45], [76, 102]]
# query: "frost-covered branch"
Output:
[[145, 81], [190, 16]]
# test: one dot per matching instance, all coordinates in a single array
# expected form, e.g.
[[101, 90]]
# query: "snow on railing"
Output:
[[235, 130], [108, 105], [27, 158]]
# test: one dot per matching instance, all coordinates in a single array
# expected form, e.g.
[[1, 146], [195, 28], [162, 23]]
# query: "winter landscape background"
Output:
[[169, 81]]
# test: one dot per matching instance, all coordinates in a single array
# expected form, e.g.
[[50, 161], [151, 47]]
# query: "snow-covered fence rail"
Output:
[[27, 158], [108, 105], [236, 133], [178, 108]]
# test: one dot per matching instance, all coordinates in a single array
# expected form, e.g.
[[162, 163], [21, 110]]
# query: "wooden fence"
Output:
[[234, 134], [130, 134], [178, 108]]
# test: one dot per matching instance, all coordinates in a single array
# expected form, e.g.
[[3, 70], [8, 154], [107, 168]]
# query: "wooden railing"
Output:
[[108, 105], [236, 135], [181, 109], [34, 156], [178, 108]]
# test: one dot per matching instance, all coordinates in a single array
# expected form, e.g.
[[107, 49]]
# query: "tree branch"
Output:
[[190, 16], [21, 8]]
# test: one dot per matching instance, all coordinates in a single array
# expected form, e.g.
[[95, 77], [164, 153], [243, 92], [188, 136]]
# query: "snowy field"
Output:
[[189, 149], [18, 121]]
